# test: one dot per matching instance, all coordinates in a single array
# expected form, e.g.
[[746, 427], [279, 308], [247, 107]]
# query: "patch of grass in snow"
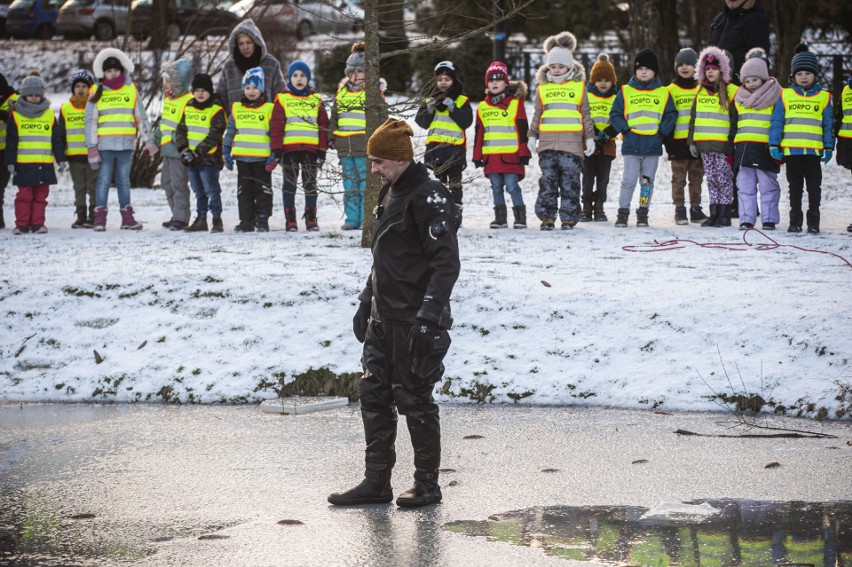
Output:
[[211, 279], [197, 294], [33, 364], [79, 292], [129, 294], [518, 396], [97, 323], [649, 346], [52, 343], [315, 382]]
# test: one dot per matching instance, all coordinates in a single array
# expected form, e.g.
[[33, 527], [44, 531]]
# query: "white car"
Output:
[[304, 18]]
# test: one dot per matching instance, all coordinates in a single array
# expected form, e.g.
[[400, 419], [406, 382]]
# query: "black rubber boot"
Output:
[[714, 214], [796, 218], [425, 491], [621, 219], [813, 222], [642, 216], [724, 217], [520, 213], [370, 491], [499, 221]]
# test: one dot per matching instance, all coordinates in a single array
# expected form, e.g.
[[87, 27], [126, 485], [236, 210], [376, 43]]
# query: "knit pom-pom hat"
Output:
[[755, 65], [560, 49], [603, 70], [356, 59]]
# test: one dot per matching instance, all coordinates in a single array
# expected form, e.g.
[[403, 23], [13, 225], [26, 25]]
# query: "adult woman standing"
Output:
[[248, 50]]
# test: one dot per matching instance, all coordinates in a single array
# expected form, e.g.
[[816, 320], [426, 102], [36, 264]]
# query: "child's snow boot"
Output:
[[290, 218], [99, 222], [127, 220], [724, 218], [261, 223], [642, 216], [813, 222], [714, 214], [217, 224], [680, 216], [547, 224], [500, 214], [600, 216], [696, 214], [520, 213], [586, 213], [621, 219], [90, 218], [311, 224], [81, 217]]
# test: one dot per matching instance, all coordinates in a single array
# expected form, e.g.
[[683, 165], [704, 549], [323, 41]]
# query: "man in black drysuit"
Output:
[[403, 319]]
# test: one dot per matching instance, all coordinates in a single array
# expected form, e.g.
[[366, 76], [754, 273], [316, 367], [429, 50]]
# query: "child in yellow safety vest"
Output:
[[299, 135], [446, 114], [601, 92], [501, 143], [198, 138], [711, 132], [683, 89], [801, 135], [561, 132], [32, 144], [8, 96], [114, 117], [643, 112], [843, 129], [247, 145], [348, 136], [71, 125], [174, 177], [755, 168]]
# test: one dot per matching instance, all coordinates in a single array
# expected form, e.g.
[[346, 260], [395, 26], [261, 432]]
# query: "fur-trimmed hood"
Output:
[[579, 74], [104, 54], [721, 56], [249, 28], [180, 75]]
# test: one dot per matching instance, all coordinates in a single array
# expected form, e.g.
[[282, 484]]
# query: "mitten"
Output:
[[229, 159], [776, 153], [826, 156], [187, 157], [361, 320], [449, 103], [693, 150], [94, 157], [590, 147]]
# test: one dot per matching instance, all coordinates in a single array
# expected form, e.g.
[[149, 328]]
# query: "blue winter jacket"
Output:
[[776, 128], [634, 144]]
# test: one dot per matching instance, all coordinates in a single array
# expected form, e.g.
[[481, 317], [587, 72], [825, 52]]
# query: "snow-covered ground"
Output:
[[567, 317]]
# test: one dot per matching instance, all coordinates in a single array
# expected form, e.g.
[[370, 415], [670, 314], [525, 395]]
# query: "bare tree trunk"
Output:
[[662, 38], [373, 100], [788, 19]]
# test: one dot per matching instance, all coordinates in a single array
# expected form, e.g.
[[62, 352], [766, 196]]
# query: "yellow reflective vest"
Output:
[[560, 105], [846, 108], [712, 122], [643, 110], [198, 124], [500, 133], [34, 137], [599, 107], [682, 99], [115, 111], [803, 120], [753, 125], [5, 106], [443, 129], [75, 129], [351, 119], [252, 124], [302, 118], [172, 111]]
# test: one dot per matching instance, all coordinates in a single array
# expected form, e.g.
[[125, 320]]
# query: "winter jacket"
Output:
[[776, 130], [438, 154], [634, 144], [117, 143], [844, 145], [739, 30], [231, 129], [569, 142], [506, 163], [31, 174], [415, 251], [279, 120], [180, 76], [679, 149], [713, 146], [230, 85], [351, 146], [608, 149], [755, 154], [213, 139]]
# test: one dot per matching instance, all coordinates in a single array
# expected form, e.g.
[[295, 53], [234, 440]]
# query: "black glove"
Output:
[[421, 338], [477, 163], [361, 320], [187, 157]]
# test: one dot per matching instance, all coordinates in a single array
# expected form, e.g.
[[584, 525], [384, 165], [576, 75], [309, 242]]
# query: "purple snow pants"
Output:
[[720, 178], [749, 179]]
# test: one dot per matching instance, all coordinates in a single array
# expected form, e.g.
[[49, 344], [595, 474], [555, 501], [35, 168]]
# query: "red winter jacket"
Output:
[[279, 119], [506, 163]]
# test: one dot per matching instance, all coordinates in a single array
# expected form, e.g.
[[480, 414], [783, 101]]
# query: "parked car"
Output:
[[4, 9], [81, 19], [32, 18], [305, 18], [186, 17]]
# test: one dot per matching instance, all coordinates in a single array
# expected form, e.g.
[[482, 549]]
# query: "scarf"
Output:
[[685, 83], [764, 97], [559, 79], [353, 88], [31, 110], [259, 101], [298, 92], [79, 101], [246, 63], [115, 83], [494, 100]]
